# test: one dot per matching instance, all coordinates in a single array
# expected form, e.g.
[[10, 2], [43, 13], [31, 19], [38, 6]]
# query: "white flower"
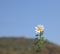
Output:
[[39, 28]]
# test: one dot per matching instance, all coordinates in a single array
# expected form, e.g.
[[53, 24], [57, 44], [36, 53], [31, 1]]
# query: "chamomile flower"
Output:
[[39, 28]]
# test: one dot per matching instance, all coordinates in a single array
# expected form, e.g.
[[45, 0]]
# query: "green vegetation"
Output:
[[25, 46]]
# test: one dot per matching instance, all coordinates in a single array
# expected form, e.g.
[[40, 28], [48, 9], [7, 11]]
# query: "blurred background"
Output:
[[18, 18]]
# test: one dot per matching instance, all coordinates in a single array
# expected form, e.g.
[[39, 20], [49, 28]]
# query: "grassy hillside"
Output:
[[25, 46]]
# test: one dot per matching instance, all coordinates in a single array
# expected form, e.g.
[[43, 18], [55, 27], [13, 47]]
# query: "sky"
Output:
[[19, 18]]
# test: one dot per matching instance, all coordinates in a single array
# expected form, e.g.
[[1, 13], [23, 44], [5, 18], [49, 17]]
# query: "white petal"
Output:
[[40, 26], [35, 27]]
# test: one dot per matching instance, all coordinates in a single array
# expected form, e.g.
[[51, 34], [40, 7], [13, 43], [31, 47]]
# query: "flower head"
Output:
[[39, 28]]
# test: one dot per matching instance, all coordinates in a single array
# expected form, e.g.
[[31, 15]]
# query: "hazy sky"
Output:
[[19, 18]]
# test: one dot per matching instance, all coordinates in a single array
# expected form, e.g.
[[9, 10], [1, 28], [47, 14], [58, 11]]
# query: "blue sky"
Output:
[[19, 18]]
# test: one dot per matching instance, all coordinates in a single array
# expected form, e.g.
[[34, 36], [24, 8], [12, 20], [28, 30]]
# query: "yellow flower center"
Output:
[[39, 28]]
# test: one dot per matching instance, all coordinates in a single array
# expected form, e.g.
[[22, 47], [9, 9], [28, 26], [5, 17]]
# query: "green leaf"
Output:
[[37, 35], [36, 41]]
